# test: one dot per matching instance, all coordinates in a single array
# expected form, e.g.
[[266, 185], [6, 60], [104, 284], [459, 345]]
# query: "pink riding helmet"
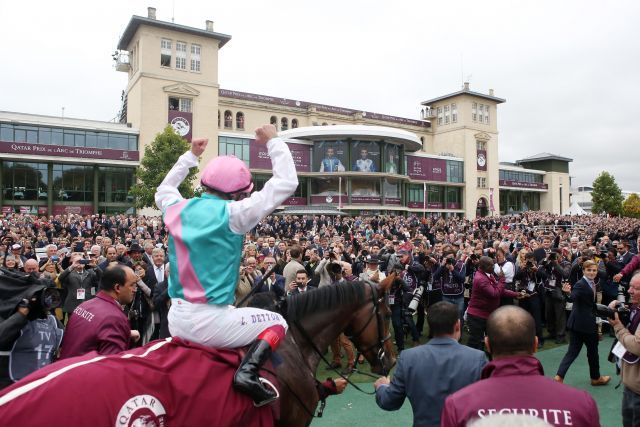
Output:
[[227, 174]]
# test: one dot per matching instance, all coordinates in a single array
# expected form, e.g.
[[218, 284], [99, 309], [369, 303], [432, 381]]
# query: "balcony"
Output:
[[121, 58]]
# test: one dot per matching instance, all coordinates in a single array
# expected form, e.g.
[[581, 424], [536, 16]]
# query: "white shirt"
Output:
[[508, 270], [159, 271], [245, 214]]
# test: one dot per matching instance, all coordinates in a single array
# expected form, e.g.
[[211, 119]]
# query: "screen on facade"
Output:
[[392, 159], [365, 156], [330, 156]]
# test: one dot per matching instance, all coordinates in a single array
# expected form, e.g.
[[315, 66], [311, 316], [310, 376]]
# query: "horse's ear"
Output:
[[385, 285]]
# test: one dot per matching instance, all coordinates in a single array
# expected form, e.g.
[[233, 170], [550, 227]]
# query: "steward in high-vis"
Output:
[[205, 244]]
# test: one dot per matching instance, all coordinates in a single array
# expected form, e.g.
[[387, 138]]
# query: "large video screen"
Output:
[[330, 156], [365, 156]]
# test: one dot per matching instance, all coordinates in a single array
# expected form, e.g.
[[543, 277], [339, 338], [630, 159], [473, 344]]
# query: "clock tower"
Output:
[[464, 124]]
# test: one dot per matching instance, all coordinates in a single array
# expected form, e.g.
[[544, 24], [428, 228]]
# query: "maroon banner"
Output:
[[392, 201], [329, 200], [520, 184], [295, 201], [182, 123], [427, 169], [259, 157], [453, 205], [42, 210], [365, 200], [81, 210], [61, 151], [430, 205], [481, 160], [7, 209]]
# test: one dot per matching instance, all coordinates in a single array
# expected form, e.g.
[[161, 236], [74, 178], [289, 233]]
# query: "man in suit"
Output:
[[427, 374], [162, 302], [544, 250], [582, 324], [155, 270], [274, 283], [301, 284]]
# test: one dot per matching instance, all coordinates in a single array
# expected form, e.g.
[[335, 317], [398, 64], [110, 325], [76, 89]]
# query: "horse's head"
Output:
[[369, 327]]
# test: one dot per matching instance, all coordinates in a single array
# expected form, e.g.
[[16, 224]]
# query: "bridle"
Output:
[[375, 313]]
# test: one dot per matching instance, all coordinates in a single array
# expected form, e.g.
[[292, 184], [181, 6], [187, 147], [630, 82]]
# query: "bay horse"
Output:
[[175, 382], [316, 318]]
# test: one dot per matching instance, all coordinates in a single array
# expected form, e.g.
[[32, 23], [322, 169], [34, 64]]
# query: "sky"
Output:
[[569, 70]]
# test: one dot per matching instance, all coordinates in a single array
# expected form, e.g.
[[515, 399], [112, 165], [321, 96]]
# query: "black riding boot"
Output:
[[247, 378]]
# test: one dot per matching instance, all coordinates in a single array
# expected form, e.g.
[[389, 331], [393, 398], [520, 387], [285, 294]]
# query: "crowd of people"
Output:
[[504, 280]]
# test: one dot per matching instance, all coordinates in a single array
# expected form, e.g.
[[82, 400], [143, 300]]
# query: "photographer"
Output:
[[451, 283], [29, 334], [629, 337], [80, 282], [403, 291], [530, 278], [556, 270]]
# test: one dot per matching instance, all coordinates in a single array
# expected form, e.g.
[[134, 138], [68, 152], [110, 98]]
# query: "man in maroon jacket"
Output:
[[100, 324], [485, 298], [514, 382]]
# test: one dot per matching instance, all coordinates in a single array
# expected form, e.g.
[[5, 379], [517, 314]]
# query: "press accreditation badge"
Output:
[[619, 350], [392, 299], [552, 283], [531, 286], [80, 294], [93, 292]]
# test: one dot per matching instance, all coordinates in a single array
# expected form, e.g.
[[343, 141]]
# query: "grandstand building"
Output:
[[443, 162]]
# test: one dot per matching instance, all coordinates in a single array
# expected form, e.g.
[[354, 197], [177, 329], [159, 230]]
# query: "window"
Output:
[[474, 111], [181, 55], [114, 184], [240, 120], [391, 188], [294, 123], [486, 114], [6, 132], [482, 182], [481, 145], [180, 104], [480, 112], [415, 193], [195, 57], [274, 121], [439, 113], [72, 183], [219, 118], [454, 171], [365, 187], [238, 147], [284, 123], [454, 113], [24, 181], [453, 197], [165, 53], [228, 120], [447, 117], [435, 196]]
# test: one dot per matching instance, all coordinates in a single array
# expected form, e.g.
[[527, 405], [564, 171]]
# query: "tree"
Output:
[[159, 158], [606, 195], [631, 206]]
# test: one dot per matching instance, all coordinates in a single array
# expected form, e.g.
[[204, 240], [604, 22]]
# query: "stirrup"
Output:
[[265, 382]]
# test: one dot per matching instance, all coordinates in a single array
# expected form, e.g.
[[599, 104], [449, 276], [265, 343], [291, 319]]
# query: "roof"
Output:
[[312, 210], [464, 92], [362, 132], [136, 21], [543, 156], [322, 108], [65, 122]]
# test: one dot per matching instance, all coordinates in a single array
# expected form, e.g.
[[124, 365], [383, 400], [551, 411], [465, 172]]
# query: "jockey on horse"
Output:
[[205, 242]]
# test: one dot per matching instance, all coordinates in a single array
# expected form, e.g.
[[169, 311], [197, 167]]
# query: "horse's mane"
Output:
[[324, 298]]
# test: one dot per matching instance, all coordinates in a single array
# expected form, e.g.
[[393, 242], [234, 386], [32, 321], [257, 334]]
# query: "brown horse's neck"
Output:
[[323, 329]]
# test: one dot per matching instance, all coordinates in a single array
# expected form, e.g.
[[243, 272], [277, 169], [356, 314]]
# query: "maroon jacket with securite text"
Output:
[[517, 385]]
